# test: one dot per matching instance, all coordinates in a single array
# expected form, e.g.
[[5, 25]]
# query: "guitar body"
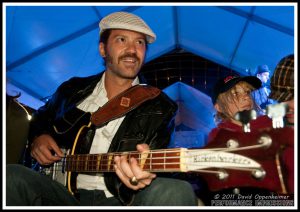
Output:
[[66, 128], [275, 178], [74, 134]]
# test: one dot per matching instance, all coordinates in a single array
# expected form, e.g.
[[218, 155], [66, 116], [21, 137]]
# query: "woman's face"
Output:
[[235, 100]]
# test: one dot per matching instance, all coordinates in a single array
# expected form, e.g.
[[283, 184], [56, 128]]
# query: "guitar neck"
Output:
[[163, 160]]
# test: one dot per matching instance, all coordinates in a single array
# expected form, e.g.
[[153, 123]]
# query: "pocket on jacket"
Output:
[[129, 143]]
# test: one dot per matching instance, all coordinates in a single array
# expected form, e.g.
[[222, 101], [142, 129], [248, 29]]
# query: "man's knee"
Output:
[[17, 173], [13, 170]]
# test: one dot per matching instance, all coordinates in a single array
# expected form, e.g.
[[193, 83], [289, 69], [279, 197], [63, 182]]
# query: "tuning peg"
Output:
[[222, 175], [259, 173], [276, 112]]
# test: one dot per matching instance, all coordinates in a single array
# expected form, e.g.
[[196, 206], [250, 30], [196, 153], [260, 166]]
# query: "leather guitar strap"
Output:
[[123, 103]]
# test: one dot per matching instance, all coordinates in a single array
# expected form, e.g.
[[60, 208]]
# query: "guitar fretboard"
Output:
[[167, 160]]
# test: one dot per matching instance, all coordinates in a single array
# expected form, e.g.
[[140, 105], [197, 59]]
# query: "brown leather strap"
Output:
[[123, 103]]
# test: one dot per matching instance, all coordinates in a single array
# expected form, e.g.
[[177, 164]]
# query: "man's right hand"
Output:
[[42, 149]]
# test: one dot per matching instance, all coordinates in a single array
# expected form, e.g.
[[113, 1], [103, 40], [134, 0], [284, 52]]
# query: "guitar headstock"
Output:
[[262, 147]]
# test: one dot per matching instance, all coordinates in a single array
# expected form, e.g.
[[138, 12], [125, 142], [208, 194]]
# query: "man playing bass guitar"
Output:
[[149, 125]]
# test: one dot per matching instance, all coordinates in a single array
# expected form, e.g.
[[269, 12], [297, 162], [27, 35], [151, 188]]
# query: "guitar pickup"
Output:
[[245, 117]]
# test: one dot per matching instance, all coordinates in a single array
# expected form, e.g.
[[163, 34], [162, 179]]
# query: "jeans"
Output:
[[26, 187]]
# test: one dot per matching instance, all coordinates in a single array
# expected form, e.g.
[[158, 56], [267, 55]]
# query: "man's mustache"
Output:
[[129, 55]]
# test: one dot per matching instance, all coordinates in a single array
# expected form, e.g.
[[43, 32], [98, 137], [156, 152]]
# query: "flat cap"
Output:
[[128, 21]]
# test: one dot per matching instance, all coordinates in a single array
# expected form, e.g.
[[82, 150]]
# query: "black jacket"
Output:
[[151, 123]]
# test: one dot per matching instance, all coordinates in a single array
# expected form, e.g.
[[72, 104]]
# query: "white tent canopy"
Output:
[[47, 44]]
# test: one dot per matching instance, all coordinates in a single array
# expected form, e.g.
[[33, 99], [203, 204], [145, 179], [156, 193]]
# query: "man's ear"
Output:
[[102, 50]]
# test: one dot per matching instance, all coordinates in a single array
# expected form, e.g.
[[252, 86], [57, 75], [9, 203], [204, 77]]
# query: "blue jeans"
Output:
[[25, 187]]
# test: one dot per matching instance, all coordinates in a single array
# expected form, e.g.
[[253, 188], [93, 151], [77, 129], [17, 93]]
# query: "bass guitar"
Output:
[[233, 160]]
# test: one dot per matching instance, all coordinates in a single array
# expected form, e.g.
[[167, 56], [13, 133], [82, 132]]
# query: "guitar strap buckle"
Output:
[[125, 102]]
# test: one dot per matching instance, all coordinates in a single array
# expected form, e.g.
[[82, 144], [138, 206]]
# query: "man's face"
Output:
[[124, 53], [264, 77]]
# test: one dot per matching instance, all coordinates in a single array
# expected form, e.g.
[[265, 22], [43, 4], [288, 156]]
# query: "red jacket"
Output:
[[284, 136]]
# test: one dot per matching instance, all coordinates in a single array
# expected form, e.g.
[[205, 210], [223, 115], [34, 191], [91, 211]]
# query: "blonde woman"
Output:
[[233, 94]]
